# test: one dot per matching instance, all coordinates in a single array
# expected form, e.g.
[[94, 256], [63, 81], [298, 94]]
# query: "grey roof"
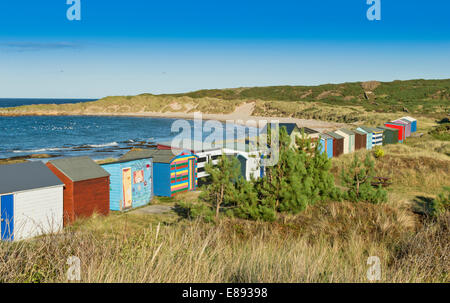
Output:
[[79, 168], [25, 176], [193, 146], [406, 120], [371, 129], [384, 128], [308, 130], [158, 155], [359, 132], [325, 136], [334, 135], [347, 131]]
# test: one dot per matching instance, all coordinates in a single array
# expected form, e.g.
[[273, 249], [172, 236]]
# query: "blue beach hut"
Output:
[[326, 145], [413, 123], [172, 173], [131, 183]]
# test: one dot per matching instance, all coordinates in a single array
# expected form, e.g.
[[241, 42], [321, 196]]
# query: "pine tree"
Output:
[[358, 180], [223, 177]]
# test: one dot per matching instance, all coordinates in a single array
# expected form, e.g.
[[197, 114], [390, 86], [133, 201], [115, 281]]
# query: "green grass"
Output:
[[417, 96]]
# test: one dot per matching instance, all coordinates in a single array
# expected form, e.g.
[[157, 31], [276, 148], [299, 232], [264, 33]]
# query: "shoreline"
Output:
[[242, 115]]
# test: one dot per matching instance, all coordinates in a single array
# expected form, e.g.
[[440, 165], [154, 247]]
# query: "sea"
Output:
[[99, 137]]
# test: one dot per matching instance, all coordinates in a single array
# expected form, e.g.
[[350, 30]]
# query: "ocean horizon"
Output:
[[12, 102]]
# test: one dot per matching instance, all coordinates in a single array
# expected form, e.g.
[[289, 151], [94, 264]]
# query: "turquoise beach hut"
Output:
[[131, 183]]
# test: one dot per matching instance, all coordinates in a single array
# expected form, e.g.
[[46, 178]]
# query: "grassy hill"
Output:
[[365, 102], [424, 96]]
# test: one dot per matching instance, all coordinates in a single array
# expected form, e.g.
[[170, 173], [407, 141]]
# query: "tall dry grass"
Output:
[[327, 243]]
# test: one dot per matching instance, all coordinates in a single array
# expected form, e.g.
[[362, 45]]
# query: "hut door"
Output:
[[191, 174], [7, 217], [127, 188]]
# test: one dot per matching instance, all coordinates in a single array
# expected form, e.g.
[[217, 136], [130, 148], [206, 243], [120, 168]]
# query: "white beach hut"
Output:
[[31, 201]]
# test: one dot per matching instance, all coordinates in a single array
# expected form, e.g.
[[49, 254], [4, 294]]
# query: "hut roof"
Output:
[[79, 168], [158, 155], [371, 129], [334, 135], [359, 132], [193, 146], [289, 127], [385, 128], [325, 136], [347, 131], [308, 131], [411, 119], [26, 176]]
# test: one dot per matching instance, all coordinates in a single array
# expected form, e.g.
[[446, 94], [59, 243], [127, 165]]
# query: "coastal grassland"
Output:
[[326, 243], [418, 96]]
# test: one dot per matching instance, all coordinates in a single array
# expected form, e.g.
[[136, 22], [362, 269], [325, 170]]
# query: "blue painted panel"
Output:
[[330, 148], [414, 126], [142, 188], [7, 217], [161, 179], [328, 142]]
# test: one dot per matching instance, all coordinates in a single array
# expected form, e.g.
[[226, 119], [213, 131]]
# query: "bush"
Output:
[[378, 152], [441, 132], [441, 204], [358, 180]]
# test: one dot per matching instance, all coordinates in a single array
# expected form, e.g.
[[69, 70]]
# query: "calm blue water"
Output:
[[4, 102], [96, 136]]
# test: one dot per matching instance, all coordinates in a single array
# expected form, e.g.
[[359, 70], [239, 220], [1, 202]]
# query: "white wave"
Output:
[[103, 145], [36, 150]]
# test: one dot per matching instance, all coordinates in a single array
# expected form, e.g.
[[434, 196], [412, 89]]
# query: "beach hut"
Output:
[[131, 182], [369, 135], [400, 127], [326, 145], [390, 135], [349, 140], [86, 189], [295, 132], [377, 135], [173, 173], [31, 201], [206, 153], [408, 126], [250, 164], [413, 123], [360, 139], [338, 143]]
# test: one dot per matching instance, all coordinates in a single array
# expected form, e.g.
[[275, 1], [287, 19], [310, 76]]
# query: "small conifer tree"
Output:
[[223, 177], [358, 179]]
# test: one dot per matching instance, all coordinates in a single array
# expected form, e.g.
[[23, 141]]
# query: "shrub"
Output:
[[358, 181], [441, 204], [378, 152], [223, 177]]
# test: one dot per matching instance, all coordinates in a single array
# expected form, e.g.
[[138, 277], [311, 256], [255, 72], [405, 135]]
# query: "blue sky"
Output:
[[136, 46]]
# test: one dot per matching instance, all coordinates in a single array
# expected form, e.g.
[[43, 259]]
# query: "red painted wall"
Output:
[[83, 198], [401, 130]]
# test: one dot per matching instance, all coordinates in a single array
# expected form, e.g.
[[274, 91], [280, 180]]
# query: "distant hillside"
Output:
[[366, 102], [424, 96]]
